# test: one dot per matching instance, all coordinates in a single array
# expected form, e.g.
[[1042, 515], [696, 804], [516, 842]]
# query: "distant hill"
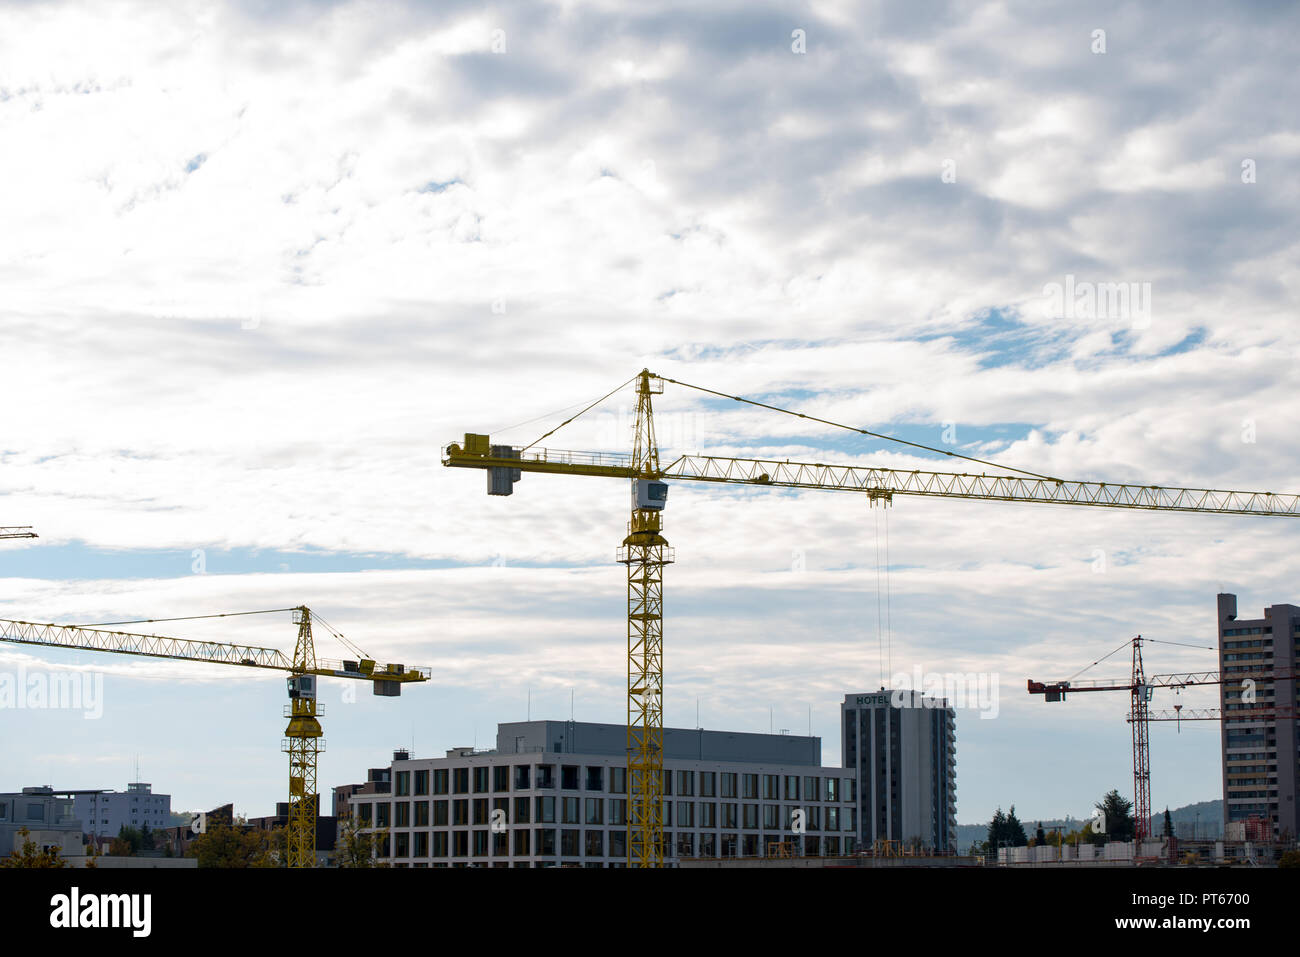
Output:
[[1205, 818]]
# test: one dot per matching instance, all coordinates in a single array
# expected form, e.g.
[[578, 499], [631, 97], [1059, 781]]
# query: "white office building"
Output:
[[562, 788], [105, 813]]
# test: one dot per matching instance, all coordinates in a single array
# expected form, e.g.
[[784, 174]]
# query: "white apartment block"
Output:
[[104, 813], [554, 793]]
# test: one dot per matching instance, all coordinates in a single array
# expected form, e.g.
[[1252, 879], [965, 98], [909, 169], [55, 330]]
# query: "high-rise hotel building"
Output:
[[901, 748]]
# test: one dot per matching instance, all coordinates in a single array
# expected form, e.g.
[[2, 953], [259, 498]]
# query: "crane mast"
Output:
[[645, 552]]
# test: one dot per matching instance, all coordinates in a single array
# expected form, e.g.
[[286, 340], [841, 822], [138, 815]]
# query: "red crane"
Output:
[[1139, 688]]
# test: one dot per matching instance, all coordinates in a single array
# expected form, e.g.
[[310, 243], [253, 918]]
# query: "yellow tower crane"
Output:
[[645, 551], [303, 737]]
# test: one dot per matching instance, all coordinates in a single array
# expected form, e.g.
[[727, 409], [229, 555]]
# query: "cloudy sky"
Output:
[[261, 261]]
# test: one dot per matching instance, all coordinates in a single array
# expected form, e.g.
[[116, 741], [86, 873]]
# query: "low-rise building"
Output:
[[105, 813], [48, 818], [555, 793]]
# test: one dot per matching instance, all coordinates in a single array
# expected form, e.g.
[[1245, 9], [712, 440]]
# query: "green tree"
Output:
[[31, 855], [1120, 825], [997, 829], [128, 842], [224, 845], [1289, 859], [1169, 823], [356, 847], [1015, 830]]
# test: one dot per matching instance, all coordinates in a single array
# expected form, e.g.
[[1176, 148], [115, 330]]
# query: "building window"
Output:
[[832, 819], [403, 814], [571, 810], [363, 815], [708, 845], [439, 813], [421, 813], [728, 784], [618, 812], [792, 787], [421, 782], [685, 783], [439, 780], [685, 814], [749, 786], [403, 784], [595, 811], [595, 779], [569, 777], [460, 811], [812, 788], [813, 818], [460, 780], [545, 841], [749, 845], [460, 843], [771, 815], [421, 844], [708, 814], [832, 789], [545, 810], [501, 777], [708, 784], [546, 775], [481, 780], [618, 780], [501, 843], [403, 845], [439, 843], [381, 815], [751, 817], [480, 810], [521, 810], [521, 777], [569, 843], [595, 843], [521, 842], [618, 844], [730, 815], [771, 788]]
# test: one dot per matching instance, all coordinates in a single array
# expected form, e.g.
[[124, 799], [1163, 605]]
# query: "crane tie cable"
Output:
[[149, 621], [575, 415], [853, 428]]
